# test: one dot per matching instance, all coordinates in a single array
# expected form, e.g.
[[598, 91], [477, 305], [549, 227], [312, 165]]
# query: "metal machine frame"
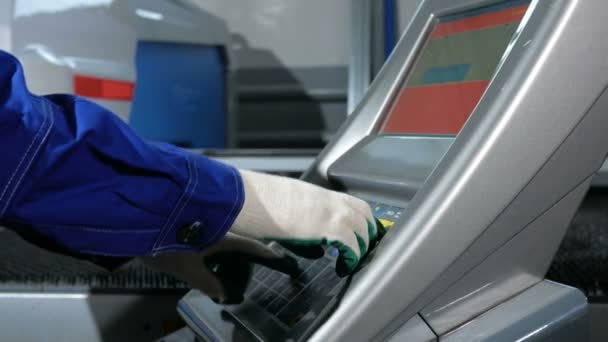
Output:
[[485, 210], [496, 226]]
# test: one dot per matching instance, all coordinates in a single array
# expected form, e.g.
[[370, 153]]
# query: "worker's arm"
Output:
[[73, 175]]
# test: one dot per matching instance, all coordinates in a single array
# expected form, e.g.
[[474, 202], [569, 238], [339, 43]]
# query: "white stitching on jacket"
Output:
[[48, 131]]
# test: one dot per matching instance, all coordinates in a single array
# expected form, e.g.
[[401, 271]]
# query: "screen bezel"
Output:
[[511, 95], [368, 114], [434, 20], [400, 186]]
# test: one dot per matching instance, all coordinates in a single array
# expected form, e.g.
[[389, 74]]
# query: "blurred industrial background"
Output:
[[286, 62], [260, 84]]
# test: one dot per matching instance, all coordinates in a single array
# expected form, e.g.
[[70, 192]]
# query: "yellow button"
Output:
[[386, 223]]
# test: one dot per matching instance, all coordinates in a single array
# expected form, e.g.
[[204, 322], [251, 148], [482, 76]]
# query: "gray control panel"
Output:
[[470, 143]]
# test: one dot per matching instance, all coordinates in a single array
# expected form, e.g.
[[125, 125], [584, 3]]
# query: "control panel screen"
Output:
[[453, 70]]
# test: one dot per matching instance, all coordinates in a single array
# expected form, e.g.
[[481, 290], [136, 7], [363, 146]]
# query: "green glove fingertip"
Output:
[[373, 233], [347, 260], [380, 228], [362, 244]]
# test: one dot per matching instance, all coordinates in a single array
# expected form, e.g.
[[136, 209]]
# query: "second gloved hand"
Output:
[[223, 270], [300, 215]]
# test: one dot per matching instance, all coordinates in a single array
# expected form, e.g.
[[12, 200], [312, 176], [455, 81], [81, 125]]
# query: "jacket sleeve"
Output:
[[74, 175]]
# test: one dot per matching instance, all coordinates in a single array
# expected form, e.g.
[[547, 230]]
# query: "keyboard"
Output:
[[275, 301], [289, 299]]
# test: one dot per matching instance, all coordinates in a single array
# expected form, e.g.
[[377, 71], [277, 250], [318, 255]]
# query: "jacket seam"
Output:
[[48, 115], [27, 151], [175, 247], [179, 206]]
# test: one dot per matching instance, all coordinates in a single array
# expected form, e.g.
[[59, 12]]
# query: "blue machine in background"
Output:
[[390, 26], [182, 73], [180, 97]]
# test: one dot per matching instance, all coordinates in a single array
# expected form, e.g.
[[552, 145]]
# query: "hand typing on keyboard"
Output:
[[304, 218]]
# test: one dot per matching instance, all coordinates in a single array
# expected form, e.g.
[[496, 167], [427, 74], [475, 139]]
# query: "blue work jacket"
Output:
[[75, 178]]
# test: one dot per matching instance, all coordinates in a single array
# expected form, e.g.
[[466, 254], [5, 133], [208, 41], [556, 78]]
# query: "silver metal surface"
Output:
[[515, 158], [264, 160], [414, 330], [518, 264], [487, 212], [405, 13], [546, 312], [377, 44], [79, 316], [269, 164], [184, 334], [539, 196], [601, 178], [359, 68], [385, 160], [209, 320]]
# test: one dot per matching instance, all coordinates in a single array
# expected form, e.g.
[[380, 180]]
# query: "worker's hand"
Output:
[[303, 217], [223, 270]]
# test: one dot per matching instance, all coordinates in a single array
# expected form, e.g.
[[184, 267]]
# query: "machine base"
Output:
[[546, 311]]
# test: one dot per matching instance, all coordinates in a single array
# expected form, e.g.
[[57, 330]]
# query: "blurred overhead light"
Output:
[[47, 54], [148, 14], [31, 7]]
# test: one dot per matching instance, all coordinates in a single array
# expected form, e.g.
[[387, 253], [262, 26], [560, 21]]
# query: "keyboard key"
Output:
[[251, 288], [378, 210], [328, 277], [268, 297], [274, 277], [291, 292], [322, 264], [282, 285], [302, 305], [386, 223], [276, 305], [258, 293], [398, 212], [325, 282], [260, 273], [393, 214], [310, 274], [320, 288], [305, 263], [316, 268]]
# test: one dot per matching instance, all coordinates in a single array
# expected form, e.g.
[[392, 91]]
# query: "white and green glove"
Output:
[[304, 217]]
